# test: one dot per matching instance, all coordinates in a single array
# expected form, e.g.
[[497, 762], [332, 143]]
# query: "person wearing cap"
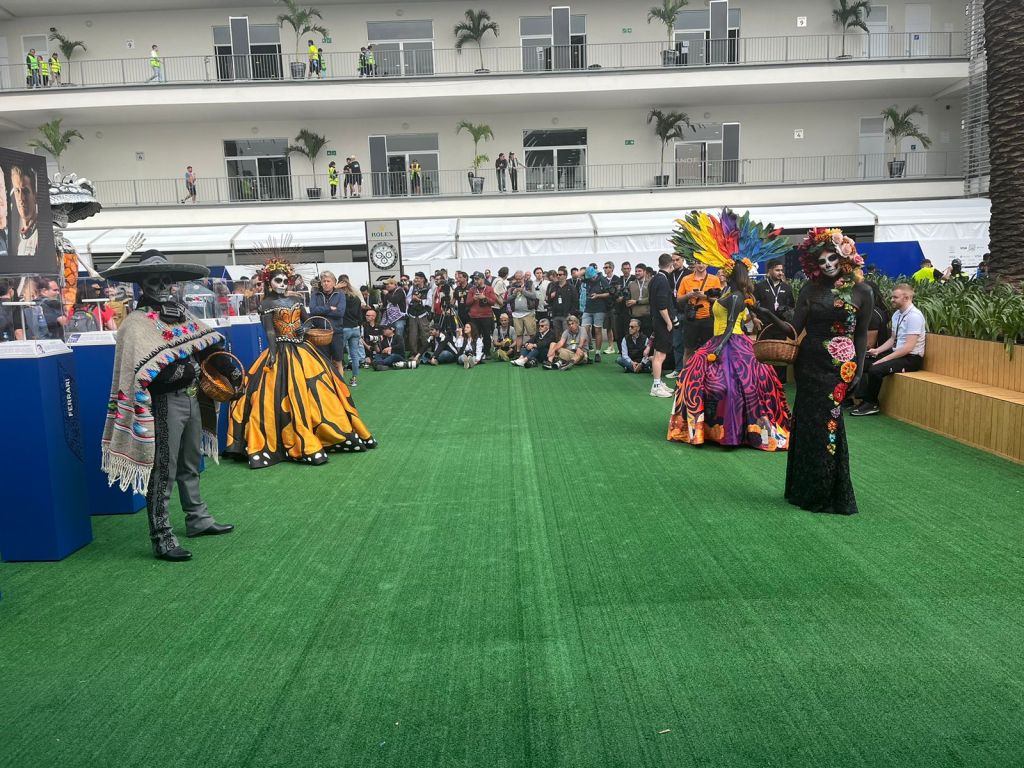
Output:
[[159, 423], [390, 350], [482, 300], [955, 271]]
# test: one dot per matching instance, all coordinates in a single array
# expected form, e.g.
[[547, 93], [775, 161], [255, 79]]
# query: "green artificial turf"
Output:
[[526, 573]]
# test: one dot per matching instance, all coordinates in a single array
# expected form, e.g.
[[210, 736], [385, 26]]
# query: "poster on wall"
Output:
[[26, 224], [384, 249]]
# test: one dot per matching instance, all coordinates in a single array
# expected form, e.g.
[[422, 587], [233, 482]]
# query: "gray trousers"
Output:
[[178, 430], [419, 334]]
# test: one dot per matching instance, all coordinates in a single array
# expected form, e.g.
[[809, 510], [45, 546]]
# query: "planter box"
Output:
[[298, 70], [897, 168], [313, 193], [476, 184]]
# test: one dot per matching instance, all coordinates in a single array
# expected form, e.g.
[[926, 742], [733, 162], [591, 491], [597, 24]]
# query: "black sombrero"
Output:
[[155, 263]]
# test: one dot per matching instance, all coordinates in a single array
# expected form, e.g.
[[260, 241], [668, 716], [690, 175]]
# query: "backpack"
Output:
[[82, 322]]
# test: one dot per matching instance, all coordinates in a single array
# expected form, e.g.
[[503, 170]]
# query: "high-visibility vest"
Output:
[[55, 66], [332, 176], [33, 63], [369, 58], [313, 53], [154, 59], [44, 67]]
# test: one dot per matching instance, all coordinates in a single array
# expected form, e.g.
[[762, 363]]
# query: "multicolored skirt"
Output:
[[733, 401]]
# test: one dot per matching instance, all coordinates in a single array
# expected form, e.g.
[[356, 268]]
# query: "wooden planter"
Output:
[[969, 390]]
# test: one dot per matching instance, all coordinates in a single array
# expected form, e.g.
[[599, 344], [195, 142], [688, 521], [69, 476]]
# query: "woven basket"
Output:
[[775, 351], [216, 385], [318, 337]]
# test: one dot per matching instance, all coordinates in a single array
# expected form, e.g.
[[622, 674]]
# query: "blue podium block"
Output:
[[44, 515], [246, 340], [94, 361]]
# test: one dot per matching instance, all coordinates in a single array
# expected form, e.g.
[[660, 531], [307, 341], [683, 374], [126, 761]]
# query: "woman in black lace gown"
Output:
[[833, 308]]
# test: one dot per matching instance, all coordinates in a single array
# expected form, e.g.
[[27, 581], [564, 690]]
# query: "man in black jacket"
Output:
[[562, 301], [536, 349], [662, 302], [635, 350], [775, 294], [390, 350]]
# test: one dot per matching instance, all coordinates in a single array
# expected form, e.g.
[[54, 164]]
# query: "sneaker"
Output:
[[413, 363], [465, 363], [609, 350], [354, 382], [660, 390], [566, 366], [866, 409], [548, 365], [520, 362], [672, 375], [400, 364], [530, 364], [597, 357]]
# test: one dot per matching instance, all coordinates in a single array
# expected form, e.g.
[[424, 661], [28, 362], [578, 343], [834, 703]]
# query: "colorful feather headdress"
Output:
[[721, 242]]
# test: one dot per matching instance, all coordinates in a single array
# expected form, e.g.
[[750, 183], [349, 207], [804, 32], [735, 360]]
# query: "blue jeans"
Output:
[[540, 354], [443, 357], [627, 364], [678, 347], [350, 336], [387, 359], [400, 327]]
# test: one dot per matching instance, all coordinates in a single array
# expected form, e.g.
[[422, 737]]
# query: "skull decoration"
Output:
[[157, 288], [279, 283], [828, 262]]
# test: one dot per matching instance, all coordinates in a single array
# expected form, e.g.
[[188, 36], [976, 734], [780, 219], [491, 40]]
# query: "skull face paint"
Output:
[[828, 262], [279, 284], [158, 288]]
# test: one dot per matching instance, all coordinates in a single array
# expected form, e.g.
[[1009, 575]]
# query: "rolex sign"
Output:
[[384, 248]]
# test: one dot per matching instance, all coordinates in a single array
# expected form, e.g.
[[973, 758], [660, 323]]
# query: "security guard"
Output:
[[55, 68], [44, 71], [332, 178], [371, 62], [33, 69], [415, 170]]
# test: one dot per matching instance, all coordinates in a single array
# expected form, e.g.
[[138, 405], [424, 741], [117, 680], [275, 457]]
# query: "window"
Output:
[[258, 169], [693, 39], [540, 54], [540, 26], [392, 160], [556, 159], [402, 47], [264, 54]]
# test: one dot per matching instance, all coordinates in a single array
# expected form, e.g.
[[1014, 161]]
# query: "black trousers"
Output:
[[513, 175], [871, 387], [484, 327]]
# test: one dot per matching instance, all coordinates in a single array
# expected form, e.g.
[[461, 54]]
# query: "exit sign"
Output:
[[332, 152], [630, 142], [328, 40], [627, 30]]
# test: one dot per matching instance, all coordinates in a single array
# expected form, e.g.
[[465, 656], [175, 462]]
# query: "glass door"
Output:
[[243, 175], [540, 170], [275, 178], [699, 163], [398, 175], [536, 54], [572, 167], [429, 182], [418, 58]]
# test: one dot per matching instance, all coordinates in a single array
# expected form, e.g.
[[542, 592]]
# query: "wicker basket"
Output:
[[775, 351], [216, 385], [318, 337]]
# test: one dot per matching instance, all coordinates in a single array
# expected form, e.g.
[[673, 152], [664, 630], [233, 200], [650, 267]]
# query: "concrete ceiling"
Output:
[[17, 9]]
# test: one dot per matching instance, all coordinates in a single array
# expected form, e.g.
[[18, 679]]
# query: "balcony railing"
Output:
[[528, 60], [647, 177]]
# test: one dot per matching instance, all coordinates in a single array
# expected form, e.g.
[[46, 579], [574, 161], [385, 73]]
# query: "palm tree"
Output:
[[668, 126], [900, 126], [1004, 50], [67, 47], [309, 145], [54, 141], [851, 15], [479, 133], [473, 29], [667, 13], [301, 20]]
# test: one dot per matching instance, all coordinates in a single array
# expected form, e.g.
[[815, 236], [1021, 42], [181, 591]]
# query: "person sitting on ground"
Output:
[[504, 342], [390, 350], [572, 348], [635, 350], [469, 348], [536, 348], [440, 348], [370, 335], [903, 352]]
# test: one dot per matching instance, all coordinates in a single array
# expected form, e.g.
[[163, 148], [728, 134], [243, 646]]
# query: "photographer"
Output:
[[694, 296], [393, 307], [440, 348], [620, 312], [523, 300], [561, 298], [419, 315], [482, 301]]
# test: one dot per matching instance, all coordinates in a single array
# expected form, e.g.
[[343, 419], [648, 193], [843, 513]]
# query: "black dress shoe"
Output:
[[214, 530], [175, 555]]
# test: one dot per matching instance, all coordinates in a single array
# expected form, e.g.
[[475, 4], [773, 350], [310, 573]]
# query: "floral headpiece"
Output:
[[270, 266], [723, 241], [823, 239]]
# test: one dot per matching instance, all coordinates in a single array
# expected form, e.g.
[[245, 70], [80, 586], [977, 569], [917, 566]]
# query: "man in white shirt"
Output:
[[903, 352]]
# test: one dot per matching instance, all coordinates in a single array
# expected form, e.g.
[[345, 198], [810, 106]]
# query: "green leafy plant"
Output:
[[851, 14], [901, 125], [479, 133], [668, 126], [55, 141], [302, 20], [67, 47], [309, 145], [473, 29], [667, 13]]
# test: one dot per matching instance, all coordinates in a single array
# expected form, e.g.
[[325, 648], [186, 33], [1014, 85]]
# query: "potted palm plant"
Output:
[[668, 126], [55, 141], [849, 15], [67, 48], [309, 145], [900, 126], [479, 133], [303, 21], [472, 30], [667, 13]]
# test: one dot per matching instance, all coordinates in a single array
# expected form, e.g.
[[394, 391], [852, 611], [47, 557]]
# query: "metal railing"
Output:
[[531, 60], [649, 177]]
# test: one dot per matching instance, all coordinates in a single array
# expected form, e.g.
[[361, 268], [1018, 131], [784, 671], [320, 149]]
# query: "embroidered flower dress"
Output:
[[733, 401], [818, 469], [296, 408]]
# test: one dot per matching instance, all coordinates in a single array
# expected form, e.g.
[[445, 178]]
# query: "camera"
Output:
[[713, 293]]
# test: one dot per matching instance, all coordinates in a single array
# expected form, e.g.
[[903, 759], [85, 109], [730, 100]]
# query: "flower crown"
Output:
[[276, 265], [824, 239]]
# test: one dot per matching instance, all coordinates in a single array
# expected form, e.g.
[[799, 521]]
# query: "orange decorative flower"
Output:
[[748, 301], [847, 371], [832, 426], [712, 357]]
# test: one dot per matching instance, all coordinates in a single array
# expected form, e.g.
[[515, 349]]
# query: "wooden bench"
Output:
[[969, 391]]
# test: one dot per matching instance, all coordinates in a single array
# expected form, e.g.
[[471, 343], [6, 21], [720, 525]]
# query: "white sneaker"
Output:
[[660, 390], [609, 350], [671, 375], [400, 364], [413, 363]]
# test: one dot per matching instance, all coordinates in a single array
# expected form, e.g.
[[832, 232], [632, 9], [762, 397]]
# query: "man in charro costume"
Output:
[[159, 423]]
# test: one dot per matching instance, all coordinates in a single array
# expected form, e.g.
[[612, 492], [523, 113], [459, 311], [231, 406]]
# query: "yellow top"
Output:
[[313, 52], [721, 316]]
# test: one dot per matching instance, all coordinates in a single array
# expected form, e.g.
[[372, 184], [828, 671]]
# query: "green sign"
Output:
[[332, 152], [627, 30], [630, 142], [328, 40]]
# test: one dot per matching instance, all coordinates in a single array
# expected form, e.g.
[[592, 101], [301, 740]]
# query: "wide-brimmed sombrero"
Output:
[[155, 263]]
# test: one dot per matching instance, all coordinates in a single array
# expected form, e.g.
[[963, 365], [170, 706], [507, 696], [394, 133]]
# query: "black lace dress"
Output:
[[818, 468]]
